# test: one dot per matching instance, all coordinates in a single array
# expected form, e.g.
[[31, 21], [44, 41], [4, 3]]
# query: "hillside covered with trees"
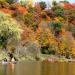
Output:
[[36, 33]]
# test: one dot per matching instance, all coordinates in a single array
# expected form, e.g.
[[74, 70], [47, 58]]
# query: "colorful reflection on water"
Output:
[[38, 68]]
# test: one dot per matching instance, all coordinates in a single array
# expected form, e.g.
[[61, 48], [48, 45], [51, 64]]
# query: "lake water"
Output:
[[38, 68]]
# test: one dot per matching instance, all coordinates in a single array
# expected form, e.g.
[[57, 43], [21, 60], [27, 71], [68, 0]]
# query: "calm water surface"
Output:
[[38, 68]]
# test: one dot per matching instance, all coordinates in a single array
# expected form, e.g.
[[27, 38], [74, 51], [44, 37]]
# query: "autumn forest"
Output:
[[37, 32]]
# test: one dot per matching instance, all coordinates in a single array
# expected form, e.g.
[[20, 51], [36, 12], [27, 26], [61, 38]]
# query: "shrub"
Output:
[[59, 11], [21, 10], [54, 3], [10, 1], [56, 27], [29, 49], [9, 30], [4, 4], [31, 9], [30, 21], [23, 3], [42, 5]]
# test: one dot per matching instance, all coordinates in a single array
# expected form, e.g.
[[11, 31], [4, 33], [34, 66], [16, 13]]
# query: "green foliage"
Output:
[[65, 1], [4, 4], [29, 21], [9, 30], [47, 50], [42, 5], [2, 0], [31, 10], [56, 25], [59, 11], [10, 1], [44, 50], [56, 28], [23, 3], [54, 3]]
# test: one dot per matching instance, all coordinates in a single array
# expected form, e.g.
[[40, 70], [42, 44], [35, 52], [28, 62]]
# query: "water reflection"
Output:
[[4, 69], [38, 68], [10, 69], [7, 69], [28, 68], [58, 68]]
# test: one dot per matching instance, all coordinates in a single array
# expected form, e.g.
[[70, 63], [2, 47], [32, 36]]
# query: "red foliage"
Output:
[[68, 6]]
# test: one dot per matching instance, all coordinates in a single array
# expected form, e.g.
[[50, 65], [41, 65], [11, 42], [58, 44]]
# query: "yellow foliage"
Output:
[[73, 51], [58, 19]]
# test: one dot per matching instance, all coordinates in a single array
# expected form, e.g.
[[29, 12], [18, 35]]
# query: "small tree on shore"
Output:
[[9, 31]]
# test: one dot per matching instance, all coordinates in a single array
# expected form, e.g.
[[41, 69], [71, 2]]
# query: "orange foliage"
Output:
[[45, 36], [62, 31], [73, 48], [48, 19], [22, 10], [6, 11]]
